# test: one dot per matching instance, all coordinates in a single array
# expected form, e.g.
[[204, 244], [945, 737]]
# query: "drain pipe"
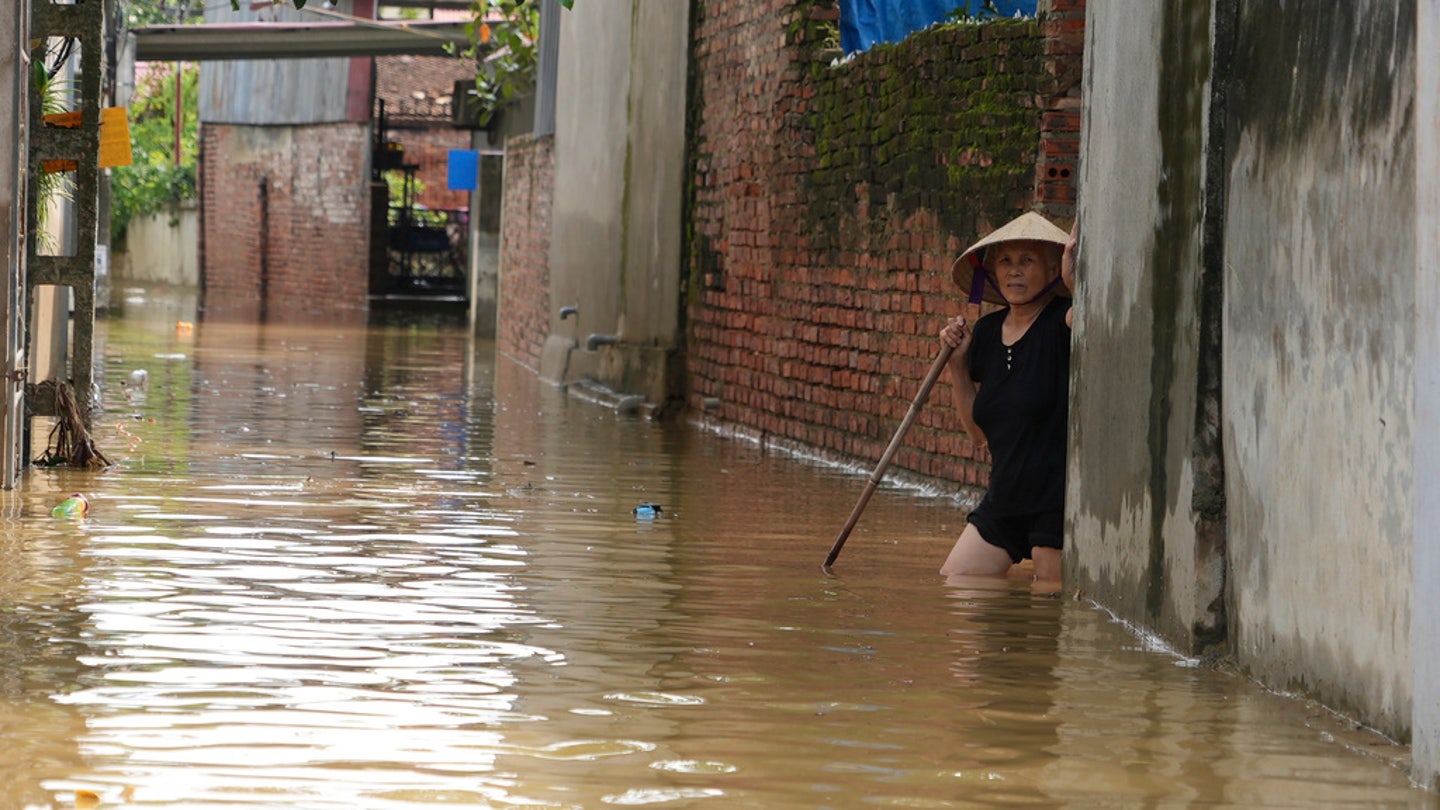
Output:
[[264, 282]]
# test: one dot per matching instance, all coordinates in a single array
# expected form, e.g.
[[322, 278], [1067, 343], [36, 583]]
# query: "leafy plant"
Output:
[[505, 51], [50, 186], [163, 12], [154, 181], [964, 12]]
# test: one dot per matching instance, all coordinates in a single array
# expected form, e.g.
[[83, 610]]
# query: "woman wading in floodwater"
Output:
[[1011, 375]]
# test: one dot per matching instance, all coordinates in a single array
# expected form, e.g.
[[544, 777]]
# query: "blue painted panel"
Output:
[[464, 169]]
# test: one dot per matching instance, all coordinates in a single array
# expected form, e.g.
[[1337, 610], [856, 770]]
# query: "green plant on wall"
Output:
[[974, 11], [51, 187], [503, 39], [155, 181]]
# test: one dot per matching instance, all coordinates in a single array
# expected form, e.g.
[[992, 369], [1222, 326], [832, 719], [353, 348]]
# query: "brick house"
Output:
[[288, 197]]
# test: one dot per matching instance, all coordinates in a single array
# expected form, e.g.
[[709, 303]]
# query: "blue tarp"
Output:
[[864, 23]]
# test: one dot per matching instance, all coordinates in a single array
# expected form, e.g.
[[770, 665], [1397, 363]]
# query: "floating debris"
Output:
[[648, 511], [70, 443], [75, 506]]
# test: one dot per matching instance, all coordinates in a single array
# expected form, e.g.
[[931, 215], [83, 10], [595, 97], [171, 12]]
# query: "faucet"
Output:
[[566, 312], [595, 341]]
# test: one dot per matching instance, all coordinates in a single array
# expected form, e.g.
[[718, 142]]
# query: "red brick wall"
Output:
[[1064, 31], [312, 259], [430, 149], [829, 201], [826, 206], [524, 294]]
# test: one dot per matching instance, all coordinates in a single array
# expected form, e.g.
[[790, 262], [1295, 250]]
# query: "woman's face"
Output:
[[1022, 270]]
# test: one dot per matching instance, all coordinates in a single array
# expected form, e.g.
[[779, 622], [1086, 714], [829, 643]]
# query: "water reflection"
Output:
[[382, 568]]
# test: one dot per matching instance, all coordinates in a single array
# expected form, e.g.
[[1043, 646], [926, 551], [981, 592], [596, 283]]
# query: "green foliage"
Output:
[[395, 185], [50, 187], [162, 12], [154, 181], [965, 13], [504, 52]]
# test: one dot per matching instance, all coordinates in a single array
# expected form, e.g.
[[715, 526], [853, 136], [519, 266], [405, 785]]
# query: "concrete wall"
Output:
[[1320, 332], [485, 203], [160, 249], [1425, 613], [1280, 170], [14, 155], [619, 180], [1137, 447]]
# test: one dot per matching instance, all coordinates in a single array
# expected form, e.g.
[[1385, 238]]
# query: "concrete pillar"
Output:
[[618, 195], [14, 112], [1425, 608], [485, 203]]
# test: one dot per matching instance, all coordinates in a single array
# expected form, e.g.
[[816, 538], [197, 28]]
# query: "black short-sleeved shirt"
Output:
[[1023, 406]]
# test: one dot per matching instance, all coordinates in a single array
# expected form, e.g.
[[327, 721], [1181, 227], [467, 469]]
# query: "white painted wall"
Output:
[[1425, 610]]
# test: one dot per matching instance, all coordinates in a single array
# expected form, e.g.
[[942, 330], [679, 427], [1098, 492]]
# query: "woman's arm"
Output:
[[1067, 270], [957, 335]]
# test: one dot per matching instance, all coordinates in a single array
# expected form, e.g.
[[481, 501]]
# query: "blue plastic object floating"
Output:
[[648, 511]]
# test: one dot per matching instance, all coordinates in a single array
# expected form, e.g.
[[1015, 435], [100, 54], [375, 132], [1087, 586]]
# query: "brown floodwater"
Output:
[[338, 567]]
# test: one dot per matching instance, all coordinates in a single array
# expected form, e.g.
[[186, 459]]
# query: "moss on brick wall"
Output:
[[945, 121], [827, 201]]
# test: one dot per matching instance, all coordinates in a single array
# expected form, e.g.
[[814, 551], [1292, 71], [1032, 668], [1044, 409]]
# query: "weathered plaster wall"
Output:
[[1135, 456], [160, 248], [1425, 610], [1319, 337], [619, 177], [1292, 195]]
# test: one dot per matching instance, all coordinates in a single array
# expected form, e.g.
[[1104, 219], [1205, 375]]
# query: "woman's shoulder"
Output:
[[992, 320], [1056, 309]]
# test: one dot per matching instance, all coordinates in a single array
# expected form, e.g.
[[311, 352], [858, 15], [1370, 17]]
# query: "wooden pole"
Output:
[[875, 477]]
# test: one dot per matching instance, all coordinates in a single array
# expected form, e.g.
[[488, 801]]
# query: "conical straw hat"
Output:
[[1028, 227]]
